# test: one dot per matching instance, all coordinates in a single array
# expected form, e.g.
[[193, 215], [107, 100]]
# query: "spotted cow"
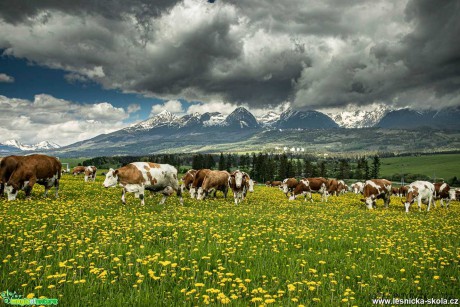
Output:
[[137, 177], [376, 189], [420, 191], [307, 186]]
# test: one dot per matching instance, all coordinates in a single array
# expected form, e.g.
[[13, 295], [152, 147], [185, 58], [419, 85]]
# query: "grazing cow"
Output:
[[198, 181], [77, 170], [7, 167], [33, 169], [332, 186], [247, 184], [395, 191], [307, 186], [403, 191], [137, 177], [442, 192], [422, 191], [187, 180], [214, 181], [268, 183], [251, 185], [357, 187], [237, 181], [276, 184], [376, 189], [90, 173], [342, 188], [289, 185]]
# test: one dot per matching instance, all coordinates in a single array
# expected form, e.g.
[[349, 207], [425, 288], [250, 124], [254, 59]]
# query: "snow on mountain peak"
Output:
[[354, 117], [39, 146]]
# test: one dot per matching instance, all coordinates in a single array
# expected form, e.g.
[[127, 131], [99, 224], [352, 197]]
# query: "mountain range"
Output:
[[214, 131]]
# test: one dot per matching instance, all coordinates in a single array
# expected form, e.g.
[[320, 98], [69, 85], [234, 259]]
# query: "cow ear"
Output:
[[115, 172], [363, 200]]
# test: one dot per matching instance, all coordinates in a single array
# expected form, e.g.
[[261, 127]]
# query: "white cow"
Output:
[[357, 187], [137, 177], [420, 191]]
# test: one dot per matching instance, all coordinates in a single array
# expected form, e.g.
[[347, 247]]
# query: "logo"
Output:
[[12, 298]]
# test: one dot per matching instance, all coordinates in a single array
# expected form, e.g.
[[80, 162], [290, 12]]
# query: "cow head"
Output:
[[238, 179], [111, 178], [452, 194], [251, 185], [412, 194], [369, 201], [11, 190]]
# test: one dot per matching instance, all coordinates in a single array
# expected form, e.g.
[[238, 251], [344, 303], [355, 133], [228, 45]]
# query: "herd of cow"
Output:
[[418, 191], [22, 172]]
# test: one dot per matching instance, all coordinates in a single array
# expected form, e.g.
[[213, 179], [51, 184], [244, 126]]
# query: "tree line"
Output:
[[262, 166]]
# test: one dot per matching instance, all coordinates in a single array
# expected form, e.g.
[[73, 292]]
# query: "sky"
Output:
[[70, 70]]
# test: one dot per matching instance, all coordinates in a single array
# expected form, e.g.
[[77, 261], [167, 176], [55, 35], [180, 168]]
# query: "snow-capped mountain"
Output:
[[268, 119], [44, 145], [164, 118], [359, 118]]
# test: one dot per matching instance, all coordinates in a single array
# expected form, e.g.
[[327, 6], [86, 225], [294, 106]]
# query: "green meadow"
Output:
[[443, 166], [87, 249]]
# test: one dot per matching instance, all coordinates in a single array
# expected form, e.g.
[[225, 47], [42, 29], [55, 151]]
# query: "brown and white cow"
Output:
[[376, 189], [187, 180], [238, 181], [198, 181], [332, 185], [357, 187], [214, 181], [420, 191], [268, 183], [403, 190], [442, 191], [7, 167], [276, 183], [247, 184], [77, 170], [137, 177], [32, 169], [395, 191], [342, 188], [90, 173], [289, 185], [307, 186]]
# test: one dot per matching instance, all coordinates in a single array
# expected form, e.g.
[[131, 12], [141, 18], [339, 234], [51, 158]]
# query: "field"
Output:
[[86, 249], [443, 166]]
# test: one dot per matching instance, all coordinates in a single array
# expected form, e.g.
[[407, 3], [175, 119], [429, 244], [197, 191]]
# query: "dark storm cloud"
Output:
[[255, 52]]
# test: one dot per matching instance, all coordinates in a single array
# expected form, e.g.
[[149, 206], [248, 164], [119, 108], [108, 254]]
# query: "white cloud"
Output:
[[133, 108], [4, 78], [57, 120], [173, 106]]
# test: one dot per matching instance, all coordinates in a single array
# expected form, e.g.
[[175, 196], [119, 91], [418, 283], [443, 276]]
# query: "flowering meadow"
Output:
[[87, 249]]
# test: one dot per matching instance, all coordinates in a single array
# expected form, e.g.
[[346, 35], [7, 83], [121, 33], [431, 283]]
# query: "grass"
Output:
[[440, 166], [86, 249]]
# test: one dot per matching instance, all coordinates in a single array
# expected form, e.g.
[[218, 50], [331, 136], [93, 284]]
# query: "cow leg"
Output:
[[46, 191], [56, 188], [141, 197], [225, 192], [163, 199], [29, 186], [123, 200], [429, 203], [2, 189], [179, 194]]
